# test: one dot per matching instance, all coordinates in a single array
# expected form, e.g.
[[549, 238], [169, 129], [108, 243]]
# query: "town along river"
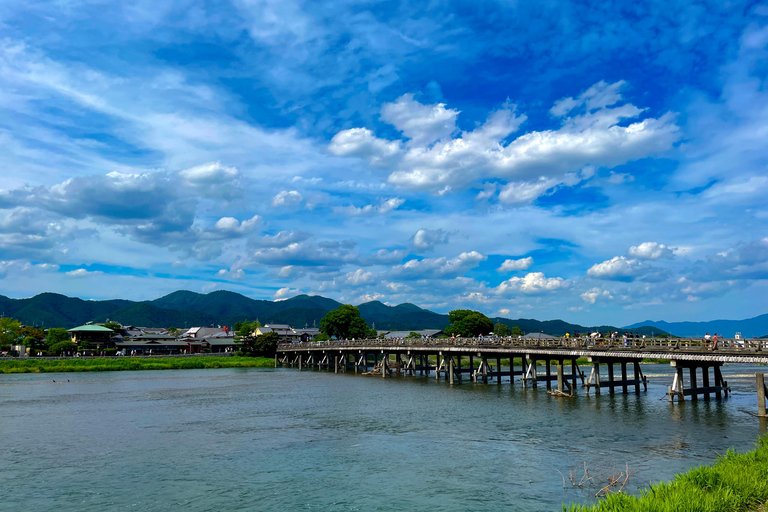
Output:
[[284, 440]]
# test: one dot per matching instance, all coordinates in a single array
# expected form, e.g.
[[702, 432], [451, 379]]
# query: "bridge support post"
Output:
[[679, 390], [300, 361], [548, 364], [762, 391], [450, 369], [560, 379], [336, 363], [498, 370]]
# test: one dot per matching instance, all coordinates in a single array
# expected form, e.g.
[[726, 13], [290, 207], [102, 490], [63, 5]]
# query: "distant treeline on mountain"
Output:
[[749, 328], [183, 309]]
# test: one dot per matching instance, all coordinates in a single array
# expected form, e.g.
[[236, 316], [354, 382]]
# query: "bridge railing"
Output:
[[732, 345]]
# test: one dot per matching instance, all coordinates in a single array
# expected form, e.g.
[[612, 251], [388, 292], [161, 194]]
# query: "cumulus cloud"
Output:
[[423, 124], [427, 239], [618, 267], [232, 225], [285, 293], [650, 251], [359, 277], [384, 207], [595, 134], [511, 265], [438, 267], [532, 283], [590, 296], [288, 198]]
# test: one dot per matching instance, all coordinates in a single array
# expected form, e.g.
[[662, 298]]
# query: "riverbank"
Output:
[[131, 364], [736, 482]]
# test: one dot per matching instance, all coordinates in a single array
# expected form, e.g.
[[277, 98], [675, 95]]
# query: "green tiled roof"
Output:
[[91, 328]]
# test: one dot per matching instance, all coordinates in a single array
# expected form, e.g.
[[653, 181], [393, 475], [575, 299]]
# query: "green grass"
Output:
[[735, 482], [131, 363]]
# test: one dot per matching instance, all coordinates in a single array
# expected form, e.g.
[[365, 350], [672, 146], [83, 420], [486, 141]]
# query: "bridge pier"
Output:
[[762, 391], [678, 389], [612, 383]]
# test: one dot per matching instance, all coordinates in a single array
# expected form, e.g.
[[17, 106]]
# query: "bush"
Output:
[[57, 348], [110, 351]]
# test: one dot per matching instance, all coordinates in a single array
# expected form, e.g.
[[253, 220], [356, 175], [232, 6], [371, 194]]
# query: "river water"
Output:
[[284, 440]]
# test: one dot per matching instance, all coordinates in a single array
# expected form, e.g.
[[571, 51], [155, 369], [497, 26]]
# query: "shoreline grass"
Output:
[[736, 482], [132, 364]]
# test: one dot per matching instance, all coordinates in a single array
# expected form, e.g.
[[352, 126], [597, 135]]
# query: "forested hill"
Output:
[[188, 309], [750, 327]]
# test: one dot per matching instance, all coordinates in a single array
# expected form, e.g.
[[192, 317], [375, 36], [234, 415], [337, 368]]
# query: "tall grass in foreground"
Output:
[[129, 363], [735, 482]]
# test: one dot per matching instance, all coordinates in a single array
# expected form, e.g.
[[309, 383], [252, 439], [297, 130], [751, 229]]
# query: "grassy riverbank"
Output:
[[735, 482], [132, 363]]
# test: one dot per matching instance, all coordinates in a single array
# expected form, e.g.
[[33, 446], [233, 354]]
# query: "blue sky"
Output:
[[600, 163]]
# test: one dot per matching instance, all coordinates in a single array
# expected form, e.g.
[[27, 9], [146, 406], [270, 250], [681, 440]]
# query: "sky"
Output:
[[596, 162]]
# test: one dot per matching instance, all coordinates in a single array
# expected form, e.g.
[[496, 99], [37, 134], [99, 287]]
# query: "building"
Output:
[[96, 337], [285, 332], [145, 340], [308, 333], [222, 341]]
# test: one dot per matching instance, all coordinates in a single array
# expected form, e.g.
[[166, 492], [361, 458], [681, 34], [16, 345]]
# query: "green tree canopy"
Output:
[[465, 322], [344, 322], [516, 331], [500, 329], [113, 325], [10, 331], [263, 345], [245, 328], [58, 348], [56, 335]]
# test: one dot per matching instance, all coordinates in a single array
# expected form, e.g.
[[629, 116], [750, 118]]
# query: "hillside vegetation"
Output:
[[184, 309]]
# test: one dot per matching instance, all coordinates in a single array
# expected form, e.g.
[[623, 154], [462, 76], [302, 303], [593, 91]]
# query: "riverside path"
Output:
[[615, 363]]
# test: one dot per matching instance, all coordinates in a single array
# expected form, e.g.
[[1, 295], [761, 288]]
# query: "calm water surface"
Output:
[[262, 439]]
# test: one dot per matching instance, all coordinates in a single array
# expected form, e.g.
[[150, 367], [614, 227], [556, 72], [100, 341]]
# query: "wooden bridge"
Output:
[[553, 362]]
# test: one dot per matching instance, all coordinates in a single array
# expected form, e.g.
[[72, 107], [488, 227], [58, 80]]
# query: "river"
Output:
[[284, 440]]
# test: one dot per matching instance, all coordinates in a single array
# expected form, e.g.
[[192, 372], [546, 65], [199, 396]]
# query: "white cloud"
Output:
[[439, 266], [287, 198], [81, 272], [423, 124], [651, 251], [511, 265], [284, 293], [593, 294], [359, 277], [598, 96], [504, 311], [617, 267], [427, 239], [361, 142], [532, 163], [235, 274], [384, 207], [232, 225], [532, 283]]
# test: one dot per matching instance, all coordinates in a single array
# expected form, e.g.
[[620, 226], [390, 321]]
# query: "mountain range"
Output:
[[184, 309], [749, 328]]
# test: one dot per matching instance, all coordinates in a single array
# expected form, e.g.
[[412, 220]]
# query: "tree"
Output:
[[465, 322], [58, 348], [322, 337], [344, 322], [10, 331], [33, 337], [114, 326], [501, 330], [264, 345], [414, 335], [244, 329], [56, 335], [516, 331]]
